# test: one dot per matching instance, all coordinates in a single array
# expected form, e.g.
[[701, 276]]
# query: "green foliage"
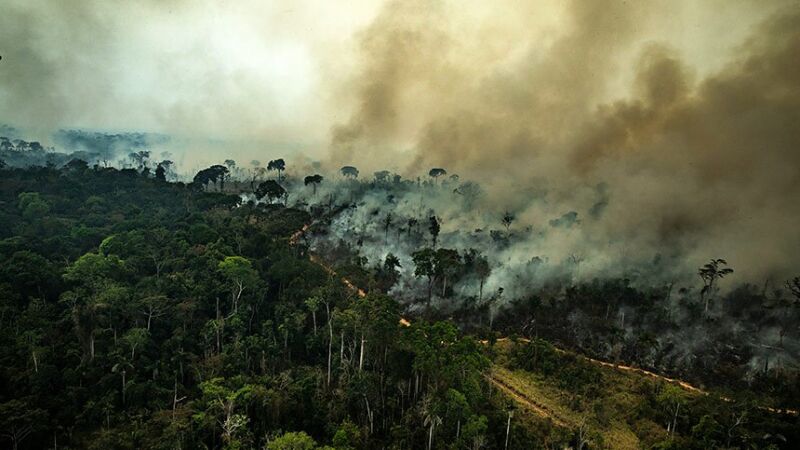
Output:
[[292, 441], [140, 313], [347, 436], [271, 190], [32, 205]]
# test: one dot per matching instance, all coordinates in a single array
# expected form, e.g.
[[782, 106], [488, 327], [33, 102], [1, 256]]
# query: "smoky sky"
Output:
[[685, 112], [690, 124], [244, 71]]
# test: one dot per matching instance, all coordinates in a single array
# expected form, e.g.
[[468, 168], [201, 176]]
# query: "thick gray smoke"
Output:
[[696, 160], [669, 127]]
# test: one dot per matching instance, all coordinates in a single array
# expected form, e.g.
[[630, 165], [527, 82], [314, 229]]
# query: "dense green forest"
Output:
[[141, 313]]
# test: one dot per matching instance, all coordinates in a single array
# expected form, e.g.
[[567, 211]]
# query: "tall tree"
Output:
[[425, 265], [313, 180], [710, 273], [349, 172], [434, 226], [436, 172], [270, 189], [448, 264], [671, 399], [479, 266], [213, 174], [278, 165], [239, 271], [382, 176]]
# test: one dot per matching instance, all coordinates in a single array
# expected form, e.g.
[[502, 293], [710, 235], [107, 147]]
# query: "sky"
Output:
[[286, 71], [685, 112]]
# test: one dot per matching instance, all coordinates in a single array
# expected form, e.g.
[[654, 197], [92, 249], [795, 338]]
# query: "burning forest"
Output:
[[400, 224]]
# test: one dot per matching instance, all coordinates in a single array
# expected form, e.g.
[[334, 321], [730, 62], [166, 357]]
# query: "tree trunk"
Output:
[[174, 399], [508, 429], [705, 295], [123, 386], [314, 319], [218, 328], [369, 414], [239, 290], [330, 341], [675, 418], [361, 357], [430, 290]]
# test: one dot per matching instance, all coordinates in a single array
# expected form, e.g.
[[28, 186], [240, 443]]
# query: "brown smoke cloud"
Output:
[[701, 160], [686, 111]]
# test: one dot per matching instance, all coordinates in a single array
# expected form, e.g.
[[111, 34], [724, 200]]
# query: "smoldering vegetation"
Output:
[[552, 277], [617, 195], [446, 247], [697, 160]]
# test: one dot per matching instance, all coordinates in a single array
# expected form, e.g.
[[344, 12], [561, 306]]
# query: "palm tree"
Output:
[[710, 273]]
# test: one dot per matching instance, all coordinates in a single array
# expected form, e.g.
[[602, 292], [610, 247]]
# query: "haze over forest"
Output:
[[684, 113]]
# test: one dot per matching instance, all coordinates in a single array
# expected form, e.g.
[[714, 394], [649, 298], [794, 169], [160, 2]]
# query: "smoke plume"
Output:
[[697, 152]]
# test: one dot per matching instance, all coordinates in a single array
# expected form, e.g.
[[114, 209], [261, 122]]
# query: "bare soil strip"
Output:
[[525, 401]]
